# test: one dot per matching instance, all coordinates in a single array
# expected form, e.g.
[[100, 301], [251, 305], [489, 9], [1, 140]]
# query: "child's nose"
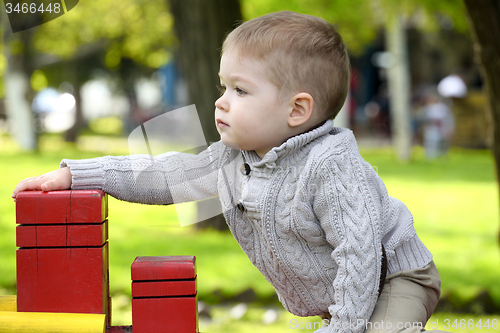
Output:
[[221, 104]]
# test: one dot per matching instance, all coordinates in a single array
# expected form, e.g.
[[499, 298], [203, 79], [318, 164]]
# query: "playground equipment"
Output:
[[63, 273], [169, 286]]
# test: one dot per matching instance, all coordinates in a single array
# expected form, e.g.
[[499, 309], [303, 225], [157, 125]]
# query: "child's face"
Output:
[[250, 114]]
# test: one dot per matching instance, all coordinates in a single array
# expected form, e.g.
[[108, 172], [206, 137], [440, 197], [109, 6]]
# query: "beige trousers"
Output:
[[407, 301]]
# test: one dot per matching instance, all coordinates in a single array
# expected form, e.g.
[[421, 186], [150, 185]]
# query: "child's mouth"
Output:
[[220, 123]]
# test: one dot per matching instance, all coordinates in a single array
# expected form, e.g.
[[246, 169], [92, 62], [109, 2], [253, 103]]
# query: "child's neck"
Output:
[[262, 153]]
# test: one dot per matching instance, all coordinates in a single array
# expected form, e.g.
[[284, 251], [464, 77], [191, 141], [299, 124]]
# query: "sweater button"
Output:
[[240, 207], [245, 169]]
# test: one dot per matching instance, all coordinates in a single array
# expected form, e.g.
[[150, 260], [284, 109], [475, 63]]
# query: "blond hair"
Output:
[[301, 53]]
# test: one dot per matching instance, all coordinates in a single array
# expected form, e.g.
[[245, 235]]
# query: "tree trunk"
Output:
[[200, 27], [72, 134], [18, 92], [399, 87], [484, 20]]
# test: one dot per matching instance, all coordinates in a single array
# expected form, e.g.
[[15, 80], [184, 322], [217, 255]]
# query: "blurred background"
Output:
[[75, 87]]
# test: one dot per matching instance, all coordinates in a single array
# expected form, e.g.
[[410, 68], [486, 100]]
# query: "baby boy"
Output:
[[309, 212]]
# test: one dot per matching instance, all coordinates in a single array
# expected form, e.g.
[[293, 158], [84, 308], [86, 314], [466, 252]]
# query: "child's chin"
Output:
[[231, 145]]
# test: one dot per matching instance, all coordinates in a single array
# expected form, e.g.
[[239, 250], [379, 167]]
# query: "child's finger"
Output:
[[59, 179], [45, 186], [27, 184], [51, 185]]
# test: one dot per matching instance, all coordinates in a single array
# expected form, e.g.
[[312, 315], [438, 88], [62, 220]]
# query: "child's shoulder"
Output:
[[338, 141], [337, 153]]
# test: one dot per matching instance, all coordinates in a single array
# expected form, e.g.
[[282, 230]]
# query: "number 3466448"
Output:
[[471, 323], [32, 8]]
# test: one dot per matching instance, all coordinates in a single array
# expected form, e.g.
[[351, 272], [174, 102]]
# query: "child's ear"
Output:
[[302, 105]]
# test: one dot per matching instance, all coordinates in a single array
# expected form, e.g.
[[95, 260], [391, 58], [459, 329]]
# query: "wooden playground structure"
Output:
[[63, 273]]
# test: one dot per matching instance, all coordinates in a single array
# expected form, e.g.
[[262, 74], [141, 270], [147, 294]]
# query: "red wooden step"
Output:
[[56, 207], [164, 288], [163, 268], [164, 295], [61, 235], [165, 315], [72, 280], [62, 263]]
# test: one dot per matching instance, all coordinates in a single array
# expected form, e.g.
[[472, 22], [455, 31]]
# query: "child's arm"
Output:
[[55, 180], [163, 179], [350, 214]]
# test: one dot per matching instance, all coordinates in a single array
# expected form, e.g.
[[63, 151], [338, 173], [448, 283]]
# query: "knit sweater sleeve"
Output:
[[163, 179], [349, 212]]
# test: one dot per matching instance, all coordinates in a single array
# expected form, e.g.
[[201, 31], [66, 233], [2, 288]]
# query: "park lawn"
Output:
[[454, 202], [252, 321]]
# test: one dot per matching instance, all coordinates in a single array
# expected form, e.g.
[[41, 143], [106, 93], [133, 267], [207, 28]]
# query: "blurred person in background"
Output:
[[438, 125]]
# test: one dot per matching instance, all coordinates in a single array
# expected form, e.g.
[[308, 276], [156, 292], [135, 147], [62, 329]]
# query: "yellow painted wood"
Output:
[[8, 303], [44, 322]]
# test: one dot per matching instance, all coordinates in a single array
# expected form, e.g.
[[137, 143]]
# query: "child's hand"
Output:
[[59, 179]]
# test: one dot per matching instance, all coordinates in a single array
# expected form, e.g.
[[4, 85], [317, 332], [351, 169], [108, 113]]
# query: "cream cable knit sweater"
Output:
[[311, 215]]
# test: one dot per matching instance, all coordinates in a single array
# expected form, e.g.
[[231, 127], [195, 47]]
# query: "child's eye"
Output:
[[221, 88], [240, 91]]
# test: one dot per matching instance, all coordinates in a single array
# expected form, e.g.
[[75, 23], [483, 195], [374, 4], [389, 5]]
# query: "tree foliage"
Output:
[[139, 30], [359, 20]]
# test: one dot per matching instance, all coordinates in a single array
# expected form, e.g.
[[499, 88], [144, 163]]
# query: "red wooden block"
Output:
[[25, 236], [87, 234], [61, 235], [164, 288], [33, 207], [163, 268], [33, 236], [56, 207], [85, 205], [73, 280], [165, 315]]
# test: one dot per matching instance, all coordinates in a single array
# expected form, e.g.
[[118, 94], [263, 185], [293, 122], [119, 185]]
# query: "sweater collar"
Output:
[[290, 149]]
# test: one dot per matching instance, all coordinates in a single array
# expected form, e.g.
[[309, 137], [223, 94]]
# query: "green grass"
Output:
[[454, 202], [222, 322]]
